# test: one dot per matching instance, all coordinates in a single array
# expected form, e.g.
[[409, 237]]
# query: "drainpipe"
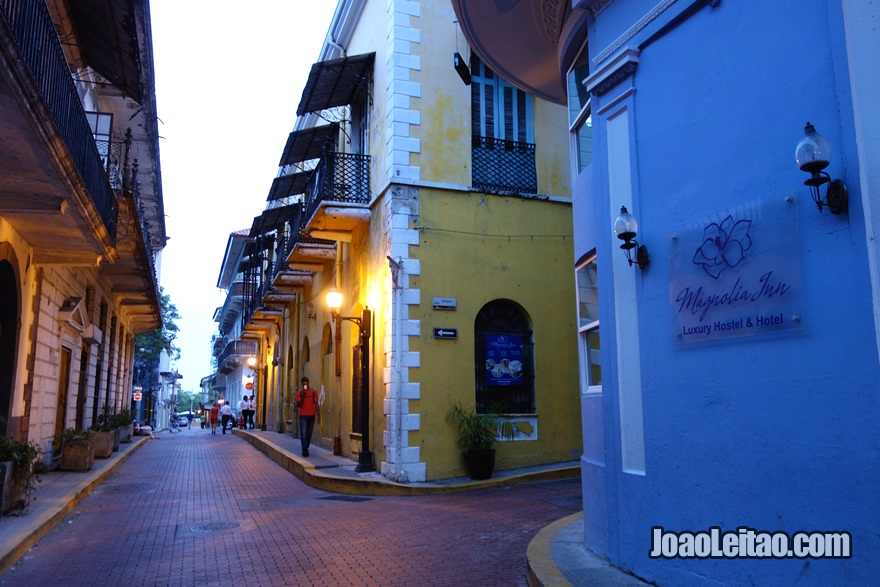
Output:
[[398, 474]]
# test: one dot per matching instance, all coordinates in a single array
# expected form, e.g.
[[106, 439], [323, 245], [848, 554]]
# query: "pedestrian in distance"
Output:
[[215, 414], [227, 417], [243, 407], [306, 400], [252, 410]]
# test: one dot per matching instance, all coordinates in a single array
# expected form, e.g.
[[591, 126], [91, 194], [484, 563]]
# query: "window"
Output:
[[101, 124], [588, 327], [504, 358], [579, 115], [503, 141], [498, 110]]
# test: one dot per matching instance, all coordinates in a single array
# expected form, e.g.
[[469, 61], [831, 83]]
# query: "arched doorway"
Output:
[[9, 310]]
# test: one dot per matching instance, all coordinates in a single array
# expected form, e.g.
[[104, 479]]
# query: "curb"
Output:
[[62, 505], [542, 571], [377, 485]]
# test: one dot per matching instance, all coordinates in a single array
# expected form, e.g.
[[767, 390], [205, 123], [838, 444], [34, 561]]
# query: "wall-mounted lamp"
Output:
[[626, 228], [813, 154], [364, 323], [252, 362], [464, 72]]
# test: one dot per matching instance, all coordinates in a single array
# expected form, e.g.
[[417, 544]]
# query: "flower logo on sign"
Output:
[[723, 246]]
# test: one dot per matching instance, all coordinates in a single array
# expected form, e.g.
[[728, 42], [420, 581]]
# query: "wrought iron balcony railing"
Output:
[[503, 166], [339, 177], [34, 33], [237, 348]]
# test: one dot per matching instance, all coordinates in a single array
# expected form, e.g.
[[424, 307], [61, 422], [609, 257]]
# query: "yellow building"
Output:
[[443, 208]]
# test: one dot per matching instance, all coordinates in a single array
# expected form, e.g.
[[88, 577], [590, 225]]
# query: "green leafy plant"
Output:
[[22, 454], [123, 417], [106, 420], [73, 434], [478, 432]]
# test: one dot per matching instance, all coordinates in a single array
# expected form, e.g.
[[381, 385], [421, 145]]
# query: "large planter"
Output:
[[117, 437], [102, 442], [14, 488], [77, 454], [126, 432], [479, 465]]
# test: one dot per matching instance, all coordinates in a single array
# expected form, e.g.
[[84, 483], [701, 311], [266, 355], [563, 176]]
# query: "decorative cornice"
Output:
[[614, 72], [632, 31]]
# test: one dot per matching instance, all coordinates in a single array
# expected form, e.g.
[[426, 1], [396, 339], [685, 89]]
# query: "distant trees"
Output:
[[149, 345]]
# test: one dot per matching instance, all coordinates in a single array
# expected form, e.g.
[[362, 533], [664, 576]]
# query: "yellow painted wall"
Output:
[[470, 249], [474, 247]]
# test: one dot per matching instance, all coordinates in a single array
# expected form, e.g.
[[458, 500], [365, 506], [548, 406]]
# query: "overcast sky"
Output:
[[229, 76]]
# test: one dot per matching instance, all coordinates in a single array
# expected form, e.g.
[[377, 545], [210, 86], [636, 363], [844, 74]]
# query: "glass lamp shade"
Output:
[[252, 362], [626, 227], [813, 152], [334, 300]]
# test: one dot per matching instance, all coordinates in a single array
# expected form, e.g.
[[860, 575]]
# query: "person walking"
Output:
[[226, 415], [215, 414], [243, 409], [252, 410], [306, 400]]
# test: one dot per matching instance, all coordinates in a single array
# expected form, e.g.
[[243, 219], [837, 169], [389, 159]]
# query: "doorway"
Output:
[[8, 335]]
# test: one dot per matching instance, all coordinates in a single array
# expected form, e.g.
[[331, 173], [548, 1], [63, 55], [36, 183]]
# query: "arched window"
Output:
[[504, 360]]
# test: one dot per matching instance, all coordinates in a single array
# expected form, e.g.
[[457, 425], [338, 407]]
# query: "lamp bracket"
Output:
[[836, 197], [642, 256]]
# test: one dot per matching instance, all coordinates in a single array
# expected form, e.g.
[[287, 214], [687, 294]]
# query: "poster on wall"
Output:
[[503, 359], [736, 273]]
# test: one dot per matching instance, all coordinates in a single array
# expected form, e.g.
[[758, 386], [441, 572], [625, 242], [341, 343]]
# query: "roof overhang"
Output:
[[289, 185], [273, 219], [309, 143], [336, 82], [108, 41], [518, 41]]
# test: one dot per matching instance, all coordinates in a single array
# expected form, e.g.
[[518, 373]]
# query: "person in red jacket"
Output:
[[306, 400]]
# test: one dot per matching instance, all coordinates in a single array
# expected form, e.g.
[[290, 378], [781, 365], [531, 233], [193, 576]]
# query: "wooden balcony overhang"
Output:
[[336, 221], [311, 256], [135, 287], [39, 181], [292, 279]]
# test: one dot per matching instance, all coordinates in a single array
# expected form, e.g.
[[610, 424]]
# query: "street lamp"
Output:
[[364, 321]]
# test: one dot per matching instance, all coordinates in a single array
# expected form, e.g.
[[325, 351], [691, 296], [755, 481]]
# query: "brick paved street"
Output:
[[200, 509]]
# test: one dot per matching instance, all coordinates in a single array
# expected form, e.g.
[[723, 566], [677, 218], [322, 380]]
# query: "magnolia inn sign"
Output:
[[732, 275]]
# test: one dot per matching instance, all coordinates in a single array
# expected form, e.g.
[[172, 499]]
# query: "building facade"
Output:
[[440, 210], [737, 383], [81, 212]]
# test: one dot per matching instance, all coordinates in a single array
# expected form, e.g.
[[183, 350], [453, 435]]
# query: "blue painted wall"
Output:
[[776, 433]]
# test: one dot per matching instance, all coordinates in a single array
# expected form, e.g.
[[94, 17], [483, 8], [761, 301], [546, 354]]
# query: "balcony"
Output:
[[501, 166], [38, 67], [337, 196], [234, 351]]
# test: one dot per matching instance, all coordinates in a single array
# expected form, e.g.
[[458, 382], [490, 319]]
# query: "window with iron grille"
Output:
[[503, 155], [504, 358]]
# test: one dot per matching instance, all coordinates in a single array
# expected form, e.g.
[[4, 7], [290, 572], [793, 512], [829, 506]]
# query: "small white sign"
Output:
[[444, 303]]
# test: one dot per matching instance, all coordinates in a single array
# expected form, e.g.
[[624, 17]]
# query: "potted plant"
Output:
[[105, 431], [77, 451], [125, 423], [17, 471], [477, 434]]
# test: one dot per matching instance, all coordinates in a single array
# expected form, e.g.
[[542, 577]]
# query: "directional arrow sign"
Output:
[[449, 333]]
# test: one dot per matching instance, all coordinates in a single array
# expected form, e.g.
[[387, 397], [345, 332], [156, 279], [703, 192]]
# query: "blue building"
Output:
[[732, 390]]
